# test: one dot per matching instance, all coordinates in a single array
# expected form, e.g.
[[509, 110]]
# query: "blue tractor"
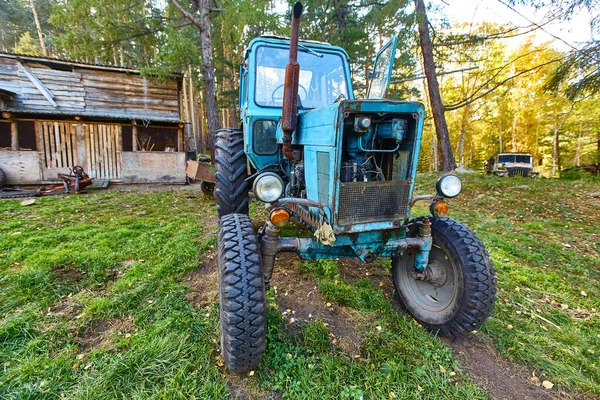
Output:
[[345, 168]]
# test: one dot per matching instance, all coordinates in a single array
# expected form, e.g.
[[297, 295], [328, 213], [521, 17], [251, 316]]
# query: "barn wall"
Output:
[[153, 167], [89, 92], [21, 167]]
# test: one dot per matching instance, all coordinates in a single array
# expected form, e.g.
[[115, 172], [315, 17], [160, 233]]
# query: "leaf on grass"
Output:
[[442, 369], [419, 388], [251, 373], [547, 384], [510, 326]]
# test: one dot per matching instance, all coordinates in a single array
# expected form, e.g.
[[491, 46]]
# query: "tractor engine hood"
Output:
[[331, 144], [323, 119]]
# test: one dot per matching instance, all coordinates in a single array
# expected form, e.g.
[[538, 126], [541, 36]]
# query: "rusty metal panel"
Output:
[[201, 171]]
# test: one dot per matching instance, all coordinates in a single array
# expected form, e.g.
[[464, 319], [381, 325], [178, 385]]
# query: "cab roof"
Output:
[[312, 44]]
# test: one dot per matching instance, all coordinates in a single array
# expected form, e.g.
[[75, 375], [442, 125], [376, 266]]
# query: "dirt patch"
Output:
[[68, 273], [352, 270], [240, 388], [300, 302], [101, 333], [498, 376], [203, 283]]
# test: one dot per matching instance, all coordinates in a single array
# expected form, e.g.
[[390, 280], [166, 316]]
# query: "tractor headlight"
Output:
[[449, 185], [268, 187]]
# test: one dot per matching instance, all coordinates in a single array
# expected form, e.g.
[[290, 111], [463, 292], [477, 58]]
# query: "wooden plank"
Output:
[[73, 143], [44, 135], [119, 151], [113, 146], [14, 136], [109, 150], [93, 150], [38, 84], [105, 152], [63, 145], [88, 153], [50, 136], [101, 148], [56, 135], [69, 155]]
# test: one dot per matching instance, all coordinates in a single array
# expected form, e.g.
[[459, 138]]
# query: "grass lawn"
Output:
[[112, 295]]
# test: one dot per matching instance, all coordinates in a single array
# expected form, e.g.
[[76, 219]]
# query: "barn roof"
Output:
[[54, 61], [52, 86]]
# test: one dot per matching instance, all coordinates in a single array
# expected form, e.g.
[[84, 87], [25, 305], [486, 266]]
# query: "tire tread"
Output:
[[242, 290]]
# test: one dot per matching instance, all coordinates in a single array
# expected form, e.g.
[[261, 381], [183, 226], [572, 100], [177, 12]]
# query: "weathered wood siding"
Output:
[[89, 92]]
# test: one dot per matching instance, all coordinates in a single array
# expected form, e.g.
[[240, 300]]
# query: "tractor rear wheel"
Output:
[[459, 289], [207, 188], [242, 294], [231, 187]]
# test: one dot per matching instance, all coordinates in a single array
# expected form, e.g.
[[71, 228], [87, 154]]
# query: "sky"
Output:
[[573, 32]]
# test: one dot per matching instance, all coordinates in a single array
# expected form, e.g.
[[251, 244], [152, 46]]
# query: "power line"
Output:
[[537, 25]]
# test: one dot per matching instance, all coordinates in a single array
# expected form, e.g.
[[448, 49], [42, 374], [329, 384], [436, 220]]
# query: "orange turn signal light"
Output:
[[439, 208], [279, 216]]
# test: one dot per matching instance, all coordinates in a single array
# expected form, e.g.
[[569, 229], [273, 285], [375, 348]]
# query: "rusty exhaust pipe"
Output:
[[289, 112]]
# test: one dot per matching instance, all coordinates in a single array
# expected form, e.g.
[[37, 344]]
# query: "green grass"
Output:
[[544, 239], [94, 303]]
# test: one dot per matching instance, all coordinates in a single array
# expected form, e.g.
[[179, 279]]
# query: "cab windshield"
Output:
[[322, 79]]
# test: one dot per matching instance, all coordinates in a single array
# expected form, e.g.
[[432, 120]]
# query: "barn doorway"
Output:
[[96, 147], [103, 148]]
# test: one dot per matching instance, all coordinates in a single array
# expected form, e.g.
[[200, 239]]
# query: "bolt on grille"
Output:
[[362, 202]]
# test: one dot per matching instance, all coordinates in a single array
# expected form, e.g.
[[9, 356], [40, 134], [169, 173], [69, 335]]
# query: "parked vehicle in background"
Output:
[[511, 164]]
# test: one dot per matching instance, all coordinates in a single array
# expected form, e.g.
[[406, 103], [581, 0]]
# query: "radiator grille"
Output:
[[521, 171], [362, 202]]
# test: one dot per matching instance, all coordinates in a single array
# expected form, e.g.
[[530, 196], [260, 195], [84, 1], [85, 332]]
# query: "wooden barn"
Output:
[[115, 123]]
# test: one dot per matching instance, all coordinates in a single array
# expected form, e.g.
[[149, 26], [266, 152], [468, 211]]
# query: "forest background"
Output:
[[503, 87]]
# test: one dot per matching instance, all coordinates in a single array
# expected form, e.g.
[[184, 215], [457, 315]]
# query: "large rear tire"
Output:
[[231, 187], [460, 290], [242, 294]]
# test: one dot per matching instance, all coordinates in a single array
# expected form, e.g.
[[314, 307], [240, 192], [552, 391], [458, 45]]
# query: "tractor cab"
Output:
[[324, 79]]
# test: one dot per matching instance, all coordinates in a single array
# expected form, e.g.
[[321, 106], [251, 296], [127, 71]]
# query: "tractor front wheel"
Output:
[[242, 294], [458, 290]]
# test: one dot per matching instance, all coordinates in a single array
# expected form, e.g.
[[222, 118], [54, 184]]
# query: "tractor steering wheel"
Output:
[[279, 100]]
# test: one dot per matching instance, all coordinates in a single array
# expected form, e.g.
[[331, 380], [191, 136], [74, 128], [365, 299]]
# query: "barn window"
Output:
[[26, 135], [127, 138], [5, 141], [157, 139]]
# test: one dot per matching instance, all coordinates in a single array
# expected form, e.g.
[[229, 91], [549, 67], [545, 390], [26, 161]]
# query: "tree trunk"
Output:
[[434, 148], [598, 147], [192, 108], [514, 134], [461, 142], [437, 107], [577, 160], [208, 67], [38, 27], [555, 150]]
